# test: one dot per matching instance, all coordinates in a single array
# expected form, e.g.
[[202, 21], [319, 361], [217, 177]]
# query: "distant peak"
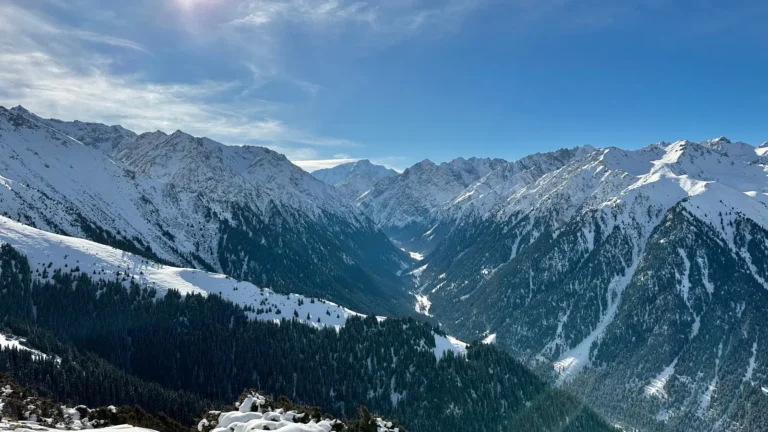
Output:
[[156, 134], [20, 110], [681, 143], [180, 133], [717, 142]]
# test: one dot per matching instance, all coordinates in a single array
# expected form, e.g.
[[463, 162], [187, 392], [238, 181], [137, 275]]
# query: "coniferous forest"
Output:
[[183, 355]]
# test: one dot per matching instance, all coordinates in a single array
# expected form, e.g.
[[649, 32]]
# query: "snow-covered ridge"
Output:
[[47, 252], [194, 164], [194, 203], [410, 197], [15, 343]]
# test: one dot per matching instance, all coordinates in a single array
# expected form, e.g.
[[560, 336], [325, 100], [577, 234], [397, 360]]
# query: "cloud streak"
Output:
[[391, 21], [314, 165], [49, 69]]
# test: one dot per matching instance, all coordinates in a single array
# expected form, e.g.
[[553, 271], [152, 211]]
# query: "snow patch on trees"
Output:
[[444, 344], [657, 387]]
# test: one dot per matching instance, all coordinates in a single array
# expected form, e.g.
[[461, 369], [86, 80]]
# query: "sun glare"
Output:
[[188, 5]]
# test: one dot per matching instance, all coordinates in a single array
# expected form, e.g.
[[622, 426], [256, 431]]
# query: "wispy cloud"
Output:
[[102, 39], [49, 68], [392, 19], [392, 162], [314, 165]]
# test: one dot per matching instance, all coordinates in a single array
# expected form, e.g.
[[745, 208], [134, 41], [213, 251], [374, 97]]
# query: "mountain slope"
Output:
[[627, 274], [46, 252], [244, 211], [205, 346], [402, 205], [354, 178], [423, 204]]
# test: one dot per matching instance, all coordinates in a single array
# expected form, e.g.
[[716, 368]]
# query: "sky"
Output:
[[395, 81]]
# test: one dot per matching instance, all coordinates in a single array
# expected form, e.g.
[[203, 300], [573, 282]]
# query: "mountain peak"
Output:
[[425, 164], [152, 135], [178, 133], [20, 110], [352, 179]]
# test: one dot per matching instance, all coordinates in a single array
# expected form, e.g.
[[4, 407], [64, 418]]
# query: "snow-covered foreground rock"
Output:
[[31, 426], [256, 413], [26, 411], [42, 415]]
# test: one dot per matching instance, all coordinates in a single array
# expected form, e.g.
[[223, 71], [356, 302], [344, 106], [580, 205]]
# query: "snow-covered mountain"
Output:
[[419, 206], [354, 178], [636, 278], [243, 211], [403, 205]]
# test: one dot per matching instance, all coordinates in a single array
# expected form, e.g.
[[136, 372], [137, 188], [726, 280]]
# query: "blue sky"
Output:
[[397, 81]]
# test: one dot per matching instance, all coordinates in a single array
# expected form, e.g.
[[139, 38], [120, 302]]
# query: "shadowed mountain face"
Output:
[[244, 211]]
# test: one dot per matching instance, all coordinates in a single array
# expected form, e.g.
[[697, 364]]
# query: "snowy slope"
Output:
[[355, 178], [598, 261], [403, 205], [483, 197], [15, 343], [196, 203], [427, 200], [47, 251]]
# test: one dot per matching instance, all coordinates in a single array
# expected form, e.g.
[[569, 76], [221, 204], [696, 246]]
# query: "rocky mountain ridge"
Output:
[[244, 211]]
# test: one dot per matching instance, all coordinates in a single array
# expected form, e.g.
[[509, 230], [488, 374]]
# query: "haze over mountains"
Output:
[[634, 279]]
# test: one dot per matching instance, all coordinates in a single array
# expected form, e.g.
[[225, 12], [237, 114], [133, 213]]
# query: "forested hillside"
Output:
[[205, 350]]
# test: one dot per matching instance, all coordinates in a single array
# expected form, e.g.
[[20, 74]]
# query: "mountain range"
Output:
[[244, 211], [634, 279]]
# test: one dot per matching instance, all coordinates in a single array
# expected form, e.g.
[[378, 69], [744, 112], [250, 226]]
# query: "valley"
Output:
[[633, 279]]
